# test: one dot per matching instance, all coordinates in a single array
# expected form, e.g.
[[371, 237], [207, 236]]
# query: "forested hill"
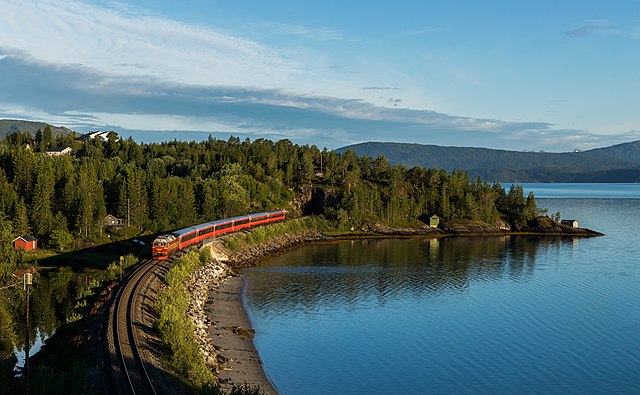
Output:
[[618, 163], [9, 126], [158, 187]]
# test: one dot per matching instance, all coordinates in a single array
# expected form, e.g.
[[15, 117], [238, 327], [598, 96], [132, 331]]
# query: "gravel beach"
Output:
[[230, 331]]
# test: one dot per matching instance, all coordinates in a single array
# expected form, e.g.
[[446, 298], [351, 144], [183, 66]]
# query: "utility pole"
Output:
[[28, 280], [128, 212]]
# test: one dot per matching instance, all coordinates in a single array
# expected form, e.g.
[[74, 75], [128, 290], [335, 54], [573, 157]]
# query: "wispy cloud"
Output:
[[420, 31], [86, 98], [590, 27], [68, 31], [381, 88], [313, 33]]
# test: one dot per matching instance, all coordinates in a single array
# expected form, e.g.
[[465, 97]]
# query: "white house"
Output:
[[57, 151]]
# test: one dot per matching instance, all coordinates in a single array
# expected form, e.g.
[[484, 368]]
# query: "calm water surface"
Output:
[[458, 315]]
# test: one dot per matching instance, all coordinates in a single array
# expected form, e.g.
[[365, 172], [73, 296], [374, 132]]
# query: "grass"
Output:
[[177, 333], [263, 233]]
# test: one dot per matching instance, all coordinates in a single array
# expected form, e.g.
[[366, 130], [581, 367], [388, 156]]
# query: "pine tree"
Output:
[[41, 215], [21, 219], [85, 198]]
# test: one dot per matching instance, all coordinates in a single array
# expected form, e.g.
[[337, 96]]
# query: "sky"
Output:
[[544, 75]]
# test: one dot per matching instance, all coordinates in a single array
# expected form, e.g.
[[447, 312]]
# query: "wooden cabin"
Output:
[[112, 220], [26, 243]]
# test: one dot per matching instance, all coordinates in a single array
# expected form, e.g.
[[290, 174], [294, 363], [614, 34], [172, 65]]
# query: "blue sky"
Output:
[[542, 75]]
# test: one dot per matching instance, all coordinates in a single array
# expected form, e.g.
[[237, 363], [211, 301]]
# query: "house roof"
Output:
[[26, 238], [57, 149]]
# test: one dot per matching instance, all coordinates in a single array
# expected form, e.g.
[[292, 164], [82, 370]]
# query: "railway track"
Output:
[[133, 373]]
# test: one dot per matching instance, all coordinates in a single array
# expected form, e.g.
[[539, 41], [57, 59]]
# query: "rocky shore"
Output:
[[217, 312], [216, 308]]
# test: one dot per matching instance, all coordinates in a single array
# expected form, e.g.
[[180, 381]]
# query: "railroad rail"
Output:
[[123, 328]]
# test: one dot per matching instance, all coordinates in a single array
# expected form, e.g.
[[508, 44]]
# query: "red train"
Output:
[[165, 245]]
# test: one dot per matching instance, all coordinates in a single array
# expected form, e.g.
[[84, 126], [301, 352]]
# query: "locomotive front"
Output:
[[163, 246]]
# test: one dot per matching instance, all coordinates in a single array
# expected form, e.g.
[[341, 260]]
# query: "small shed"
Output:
[[434, 221], [570, 222], [112, 220], [26, 243]]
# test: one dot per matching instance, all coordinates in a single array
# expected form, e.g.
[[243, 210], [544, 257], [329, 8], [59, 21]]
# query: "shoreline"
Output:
[[232, 333], [223, 327], [221, 316]]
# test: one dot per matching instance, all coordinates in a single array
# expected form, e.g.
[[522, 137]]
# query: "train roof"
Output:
[[184, 231], [166, 237]]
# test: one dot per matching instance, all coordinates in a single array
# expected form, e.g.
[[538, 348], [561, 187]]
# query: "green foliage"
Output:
[[60, 239], [8, 254], [113, 269], [176, 333], [7, 332], [263, 233], [205, 256]]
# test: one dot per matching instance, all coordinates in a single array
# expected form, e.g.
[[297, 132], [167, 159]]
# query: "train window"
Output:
[[189, 236], [205, 231], [164, 243]]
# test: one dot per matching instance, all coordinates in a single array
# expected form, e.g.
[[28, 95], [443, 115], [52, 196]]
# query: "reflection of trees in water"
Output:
[[52, 298], [381, 270]]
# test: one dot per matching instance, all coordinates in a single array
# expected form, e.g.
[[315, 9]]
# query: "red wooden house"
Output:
[[25, 243]]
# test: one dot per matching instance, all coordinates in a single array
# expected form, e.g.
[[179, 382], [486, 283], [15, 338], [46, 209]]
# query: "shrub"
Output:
[[263, 233], [176, 333]]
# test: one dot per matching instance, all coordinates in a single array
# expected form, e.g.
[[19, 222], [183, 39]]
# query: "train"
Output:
[[168, 244]]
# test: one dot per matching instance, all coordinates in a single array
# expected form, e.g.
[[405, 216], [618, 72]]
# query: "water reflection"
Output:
[[489, 315], [350, 272], [57, 296]]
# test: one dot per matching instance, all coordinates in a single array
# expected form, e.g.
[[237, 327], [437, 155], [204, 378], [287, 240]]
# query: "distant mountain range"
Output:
[[618, 163], [9, 126]]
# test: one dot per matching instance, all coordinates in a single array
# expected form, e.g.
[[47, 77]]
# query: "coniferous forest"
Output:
[[62, 200]]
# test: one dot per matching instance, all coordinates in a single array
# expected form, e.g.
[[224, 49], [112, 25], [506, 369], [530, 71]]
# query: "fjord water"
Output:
[[458, 315]]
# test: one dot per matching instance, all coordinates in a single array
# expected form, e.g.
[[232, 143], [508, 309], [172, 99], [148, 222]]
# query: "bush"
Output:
[[113, 269], [60, 239]]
